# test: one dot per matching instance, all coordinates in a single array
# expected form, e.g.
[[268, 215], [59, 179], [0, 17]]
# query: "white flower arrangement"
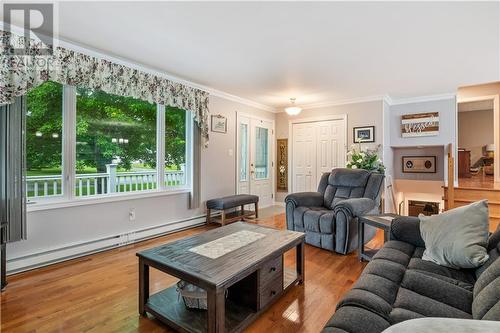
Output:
[[365, 159]]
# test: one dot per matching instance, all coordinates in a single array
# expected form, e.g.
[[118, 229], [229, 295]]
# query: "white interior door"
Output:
[[255, 165], [317, 147], [304, 157], [331, 146]]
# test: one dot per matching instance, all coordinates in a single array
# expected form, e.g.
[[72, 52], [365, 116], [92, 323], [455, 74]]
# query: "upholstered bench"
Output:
[[230, 202]]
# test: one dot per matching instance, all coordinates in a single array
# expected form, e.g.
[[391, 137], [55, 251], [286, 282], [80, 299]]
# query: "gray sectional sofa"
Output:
[[329, 216], [397, 285]]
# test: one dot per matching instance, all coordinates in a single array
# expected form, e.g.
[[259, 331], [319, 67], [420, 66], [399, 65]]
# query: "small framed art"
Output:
[[219, 123], [363, 134]]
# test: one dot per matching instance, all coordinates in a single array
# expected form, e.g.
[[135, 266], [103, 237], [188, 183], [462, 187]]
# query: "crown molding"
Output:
[[88, 50], [237, 99], [388, 99], [420, 99], [385, 98], [343, 102]]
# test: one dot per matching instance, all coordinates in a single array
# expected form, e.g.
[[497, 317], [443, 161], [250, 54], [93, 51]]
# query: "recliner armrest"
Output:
[[307, 199], [355, 206], [407, 229]]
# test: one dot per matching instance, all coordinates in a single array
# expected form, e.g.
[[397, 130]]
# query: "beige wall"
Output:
[[475, 130], [358, 114], [218, 177]]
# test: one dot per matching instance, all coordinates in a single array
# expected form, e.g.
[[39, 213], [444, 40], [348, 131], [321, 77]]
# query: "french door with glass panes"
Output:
[[255, 165]]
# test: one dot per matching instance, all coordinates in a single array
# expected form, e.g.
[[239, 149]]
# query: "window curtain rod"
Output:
[[20, 73]]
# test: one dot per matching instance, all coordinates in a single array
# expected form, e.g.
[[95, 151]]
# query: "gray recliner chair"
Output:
[[329, 217]]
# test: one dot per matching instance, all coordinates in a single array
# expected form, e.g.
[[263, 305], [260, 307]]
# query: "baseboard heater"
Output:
[[73, 251]]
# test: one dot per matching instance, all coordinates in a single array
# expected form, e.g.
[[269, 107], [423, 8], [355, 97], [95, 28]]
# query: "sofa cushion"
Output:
[[316, 219], [344, 184], [494, 239], [374, 186], [396, 251], [355, 320], [344, 177], [426, 306], [438, 289], [319, 220], [486, 303], [457, 238], [462, 277], [232, 201], [388, 269], [493, 248], [493, 254]]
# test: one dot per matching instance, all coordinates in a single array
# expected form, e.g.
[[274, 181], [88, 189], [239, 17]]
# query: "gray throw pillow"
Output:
[[457, 238]]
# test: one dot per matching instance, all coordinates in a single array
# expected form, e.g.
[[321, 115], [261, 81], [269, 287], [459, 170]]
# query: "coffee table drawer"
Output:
[[271, 270], [270, 291]]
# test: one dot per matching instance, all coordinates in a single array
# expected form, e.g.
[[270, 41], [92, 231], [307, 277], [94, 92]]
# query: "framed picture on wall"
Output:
[[363, 134], [419, 164], [219, 123]]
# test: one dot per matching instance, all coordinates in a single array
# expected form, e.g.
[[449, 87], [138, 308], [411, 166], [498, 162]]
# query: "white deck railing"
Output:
[[102, 183]]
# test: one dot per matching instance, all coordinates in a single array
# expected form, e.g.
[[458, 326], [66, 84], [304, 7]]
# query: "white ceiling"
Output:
[[318, 52]]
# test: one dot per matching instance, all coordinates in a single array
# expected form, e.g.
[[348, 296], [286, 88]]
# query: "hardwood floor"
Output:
[[478, 181], [98, 293]]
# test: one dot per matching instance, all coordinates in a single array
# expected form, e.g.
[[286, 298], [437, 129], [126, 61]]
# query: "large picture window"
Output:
[[115, 144], [175, 146], [84, 142], [44, 121]]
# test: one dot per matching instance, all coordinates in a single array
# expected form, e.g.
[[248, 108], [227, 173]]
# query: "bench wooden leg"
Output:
[[223, 217], [209, 211], [256, 210]]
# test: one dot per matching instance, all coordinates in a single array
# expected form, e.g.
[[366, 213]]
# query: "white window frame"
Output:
[[68, 174]]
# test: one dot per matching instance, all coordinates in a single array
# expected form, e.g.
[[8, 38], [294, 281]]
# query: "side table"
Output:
[[382, 221]]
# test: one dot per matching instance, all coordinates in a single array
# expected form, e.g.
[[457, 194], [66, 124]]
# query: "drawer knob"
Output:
[[273, 269], [273, 293]]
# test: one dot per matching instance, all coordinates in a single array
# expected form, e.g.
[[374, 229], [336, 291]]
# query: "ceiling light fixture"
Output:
[[293, 110]]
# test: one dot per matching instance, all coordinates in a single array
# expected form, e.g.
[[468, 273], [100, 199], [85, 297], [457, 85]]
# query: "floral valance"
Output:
[[20, 73]]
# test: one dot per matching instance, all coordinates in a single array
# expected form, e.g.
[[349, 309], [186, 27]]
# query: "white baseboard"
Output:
[[279, 203], [67, 252]]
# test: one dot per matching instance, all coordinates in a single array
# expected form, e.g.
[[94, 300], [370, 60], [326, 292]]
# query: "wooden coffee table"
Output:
[[239, 265]]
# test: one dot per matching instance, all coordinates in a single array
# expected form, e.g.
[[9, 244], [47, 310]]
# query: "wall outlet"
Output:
[[131, 214]]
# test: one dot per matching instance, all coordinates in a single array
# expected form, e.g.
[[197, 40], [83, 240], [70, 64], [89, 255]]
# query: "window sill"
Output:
[[48, 204]]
